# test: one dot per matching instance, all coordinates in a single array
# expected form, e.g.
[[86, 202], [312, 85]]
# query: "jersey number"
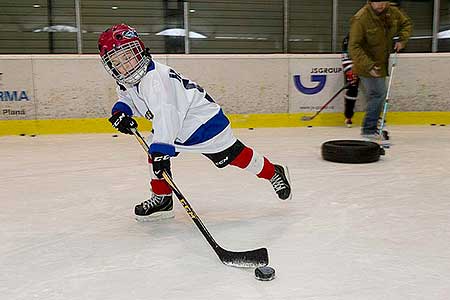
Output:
[[189, 84]]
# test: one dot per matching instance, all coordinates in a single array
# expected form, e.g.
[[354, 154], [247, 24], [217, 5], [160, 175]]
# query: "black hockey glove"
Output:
[[161, 162], [122, 122]]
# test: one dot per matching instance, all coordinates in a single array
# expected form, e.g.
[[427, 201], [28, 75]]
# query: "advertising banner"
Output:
[[16, 90], [48, 87], [313, 81]]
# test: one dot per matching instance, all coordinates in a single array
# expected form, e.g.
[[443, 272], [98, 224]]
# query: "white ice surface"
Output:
[[371, 231]]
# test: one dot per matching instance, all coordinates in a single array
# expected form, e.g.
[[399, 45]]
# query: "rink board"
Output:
[[57, 94], [101, 125]]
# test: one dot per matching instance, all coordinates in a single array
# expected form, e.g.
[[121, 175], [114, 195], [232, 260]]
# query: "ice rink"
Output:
[[370, 231]]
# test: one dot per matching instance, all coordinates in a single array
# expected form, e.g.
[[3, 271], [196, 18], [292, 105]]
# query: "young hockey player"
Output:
[[351, 92], [184, 118]]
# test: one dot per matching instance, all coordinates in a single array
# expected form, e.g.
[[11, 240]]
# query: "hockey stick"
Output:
[[244, 259], [309, 118], [388, 94]]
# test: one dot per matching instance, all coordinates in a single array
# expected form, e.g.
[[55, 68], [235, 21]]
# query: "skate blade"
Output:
[[382, 143], [286, 171], [386, 145], [157, 216]]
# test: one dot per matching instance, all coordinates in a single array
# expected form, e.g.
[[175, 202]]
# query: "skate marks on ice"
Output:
[[350, 232]]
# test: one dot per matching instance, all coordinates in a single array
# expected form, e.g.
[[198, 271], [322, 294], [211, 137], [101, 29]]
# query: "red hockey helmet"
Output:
[[123, 54]]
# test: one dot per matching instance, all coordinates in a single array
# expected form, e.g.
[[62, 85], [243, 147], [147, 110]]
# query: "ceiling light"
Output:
[[114, 7], [181, 32], [58, 28], [36, 5], [444, 34]]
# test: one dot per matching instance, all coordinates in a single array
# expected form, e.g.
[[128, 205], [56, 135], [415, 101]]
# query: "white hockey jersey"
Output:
[[184, 116]]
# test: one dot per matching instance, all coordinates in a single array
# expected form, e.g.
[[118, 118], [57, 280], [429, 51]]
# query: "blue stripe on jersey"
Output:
[[151, 66], [162, 148], [210, 129], [122, 107]]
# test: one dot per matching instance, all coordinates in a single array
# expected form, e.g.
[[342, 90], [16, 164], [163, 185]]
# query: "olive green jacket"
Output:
[[371, 38]]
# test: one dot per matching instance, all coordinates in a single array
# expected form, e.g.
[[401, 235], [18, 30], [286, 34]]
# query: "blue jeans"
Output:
[[376, 93]]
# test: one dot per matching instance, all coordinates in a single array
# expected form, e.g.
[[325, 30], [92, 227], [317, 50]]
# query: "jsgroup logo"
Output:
[[320, 79], [318, 76]]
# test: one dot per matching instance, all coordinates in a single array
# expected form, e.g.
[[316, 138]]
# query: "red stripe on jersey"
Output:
[[149, 160], [267, 171], [160, 187], [243, 159]]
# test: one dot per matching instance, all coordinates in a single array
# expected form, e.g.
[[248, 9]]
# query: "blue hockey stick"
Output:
[[388, 94]]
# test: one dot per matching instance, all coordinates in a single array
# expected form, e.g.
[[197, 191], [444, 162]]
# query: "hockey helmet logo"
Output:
[[130, 34]]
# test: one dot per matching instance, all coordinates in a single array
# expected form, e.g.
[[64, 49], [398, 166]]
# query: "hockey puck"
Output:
[[22, 134], [265, 273], [33, 135], [309, 126], [442, 125], [432, 124], [251, 128], [114, 135]]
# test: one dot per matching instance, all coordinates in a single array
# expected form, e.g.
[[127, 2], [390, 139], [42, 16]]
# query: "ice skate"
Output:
[[281, 182], [385, 131], [158, 207], [376, 138], [385, 134], [348, 122]]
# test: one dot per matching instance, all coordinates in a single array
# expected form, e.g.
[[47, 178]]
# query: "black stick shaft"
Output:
[[252, 258], [190, 211], [329, 101]]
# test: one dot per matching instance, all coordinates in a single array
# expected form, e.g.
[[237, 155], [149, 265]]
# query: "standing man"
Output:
[[372, 31]]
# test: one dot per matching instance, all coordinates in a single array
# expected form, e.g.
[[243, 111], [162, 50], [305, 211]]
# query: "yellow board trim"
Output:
[[101, 125]]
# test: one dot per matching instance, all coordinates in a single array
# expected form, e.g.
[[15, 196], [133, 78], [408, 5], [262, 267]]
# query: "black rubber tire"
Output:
[[351, 151]]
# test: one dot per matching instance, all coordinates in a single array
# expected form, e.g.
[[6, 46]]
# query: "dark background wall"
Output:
[[228, 26]]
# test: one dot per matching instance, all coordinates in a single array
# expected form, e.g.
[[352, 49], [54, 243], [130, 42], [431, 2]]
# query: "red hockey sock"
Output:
[[254, 163], [160, 187], [267, 171], [243, 159]]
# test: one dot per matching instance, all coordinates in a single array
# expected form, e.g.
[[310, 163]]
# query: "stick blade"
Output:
[[245, 259], [306, 118]]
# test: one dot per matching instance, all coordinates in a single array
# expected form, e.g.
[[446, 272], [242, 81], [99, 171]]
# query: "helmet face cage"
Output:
[[126, 63]]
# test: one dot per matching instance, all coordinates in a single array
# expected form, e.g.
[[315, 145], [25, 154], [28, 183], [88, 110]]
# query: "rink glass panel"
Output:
[[227, 26], [231, 26]]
